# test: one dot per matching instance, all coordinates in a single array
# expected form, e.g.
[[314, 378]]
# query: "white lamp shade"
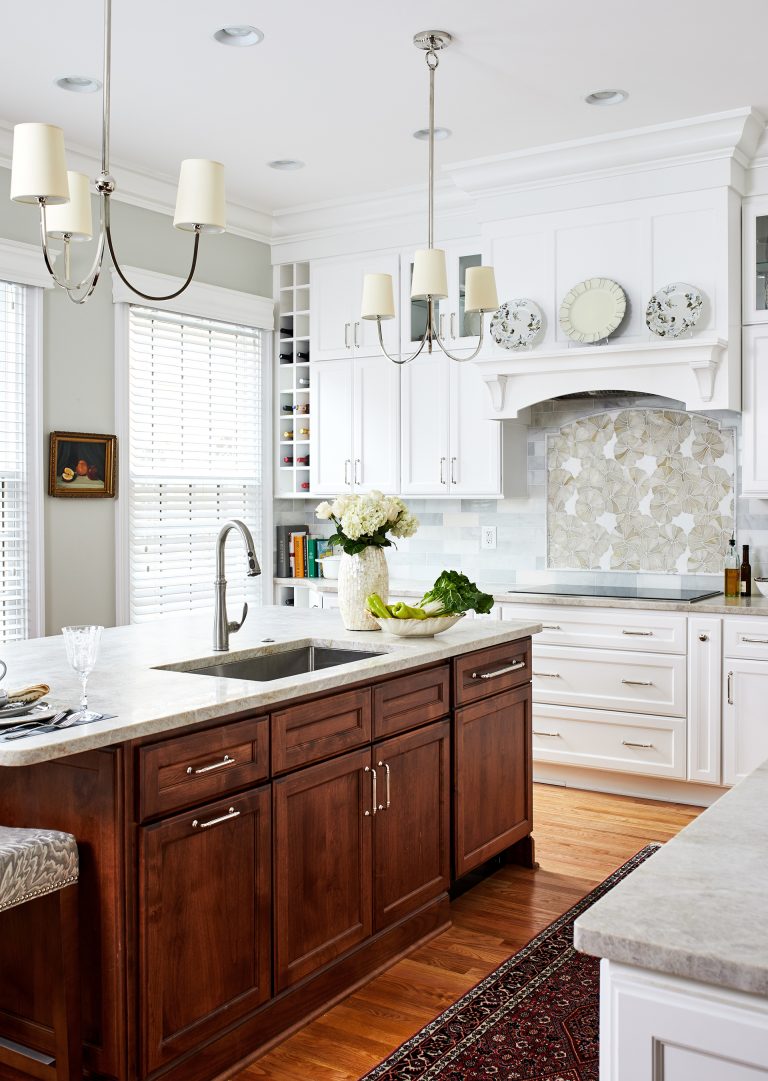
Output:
[[480, 290], [429, 275], [378, 297], [72, 219], [39, 168], [200, 196]]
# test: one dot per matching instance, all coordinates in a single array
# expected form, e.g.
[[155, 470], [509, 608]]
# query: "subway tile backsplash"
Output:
[[449, 533]]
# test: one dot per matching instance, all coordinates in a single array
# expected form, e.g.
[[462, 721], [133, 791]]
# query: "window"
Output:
[[195, 458], [20, 483]]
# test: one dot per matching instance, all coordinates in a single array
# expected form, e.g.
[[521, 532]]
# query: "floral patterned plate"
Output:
[[592, 310], [516, 323], [673, 310]]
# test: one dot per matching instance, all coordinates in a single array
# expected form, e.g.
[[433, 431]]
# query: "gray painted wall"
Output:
[[78, 384]]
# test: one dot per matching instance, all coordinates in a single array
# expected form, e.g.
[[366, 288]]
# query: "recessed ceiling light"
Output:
[[440, 133], [606, 97], [78, 84], [286, 164], [239, 36]]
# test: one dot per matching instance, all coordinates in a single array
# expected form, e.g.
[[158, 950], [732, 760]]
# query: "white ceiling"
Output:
[[340, 86]]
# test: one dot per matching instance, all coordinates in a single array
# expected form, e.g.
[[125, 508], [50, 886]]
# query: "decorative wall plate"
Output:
[[673, 310], [592, 310], [516, 323]]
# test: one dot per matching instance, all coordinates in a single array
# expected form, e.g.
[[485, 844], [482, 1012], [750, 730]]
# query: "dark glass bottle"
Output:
[[745, 572], [732, 570]]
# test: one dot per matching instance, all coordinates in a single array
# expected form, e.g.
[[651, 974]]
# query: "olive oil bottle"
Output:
[[732, 587]]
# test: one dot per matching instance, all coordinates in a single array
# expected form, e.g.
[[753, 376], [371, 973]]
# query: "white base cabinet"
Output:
[[745, 694], [655, 1027]]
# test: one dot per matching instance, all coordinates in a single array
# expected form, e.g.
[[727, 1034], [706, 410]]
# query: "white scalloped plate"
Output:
[[516, 323], [673, 310], [592, 310], [418, 628]]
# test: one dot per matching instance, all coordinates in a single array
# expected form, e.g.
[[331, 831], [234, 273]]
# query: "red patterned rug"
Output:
[[535, 1018]]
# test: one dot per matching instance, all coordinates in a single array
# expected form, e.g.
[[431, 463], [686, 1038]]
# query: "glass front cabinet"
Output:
[[458, 329], [755, 256]]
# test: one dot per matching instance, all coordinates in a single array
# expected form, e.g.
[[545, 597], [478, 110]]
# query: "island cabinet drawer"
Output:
[[607, 679], [490, 671], [604, 628], [746, 637], [188, 769], [408, 701], [625, 742], [320, 728]]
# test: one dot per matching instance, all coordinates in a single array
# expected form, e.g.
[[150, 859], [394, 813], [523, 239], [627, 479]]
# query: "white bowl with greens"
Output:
[[441, 607]]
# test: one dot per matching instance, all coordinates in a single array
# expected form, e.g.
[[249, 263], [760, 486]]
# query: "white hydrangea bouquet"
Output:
[[363, 521]]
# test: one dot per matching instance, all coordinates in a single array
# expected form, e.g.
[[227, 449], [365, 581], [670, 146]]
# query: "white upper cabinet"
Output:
[[354, 435], [458, 330], [755, 260], [448, 446], [754, 392], [336, 329]]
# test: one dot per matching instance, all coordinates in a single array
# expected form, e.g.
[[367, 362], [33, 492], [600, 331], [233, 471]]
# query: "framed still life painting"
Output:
[[82, 465]]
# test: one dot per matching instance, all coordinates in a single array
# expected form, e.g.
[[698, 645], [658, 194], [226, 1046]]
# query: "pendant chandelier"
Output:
[[430, 279], [39, 175]]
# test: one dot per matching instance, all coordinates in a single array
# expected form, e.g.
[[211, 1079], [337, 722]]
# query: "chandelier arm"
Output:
[[402, 360], [472, 355], [148, 296], [90, 278]]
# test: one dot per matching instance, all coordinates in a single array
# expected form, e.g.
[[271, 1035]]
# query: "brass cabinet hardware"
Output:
[[231, 813], [226, 761]]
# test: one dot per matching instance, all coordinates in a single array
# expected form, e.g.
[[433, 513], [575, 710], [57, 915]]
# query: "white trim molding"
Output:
[[36, 462], [23, 263], [199, 299]]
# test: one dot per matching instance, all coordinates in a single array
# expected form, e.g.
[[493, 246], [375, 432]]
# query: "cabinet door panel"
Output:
[[204, 918], [755, 411], [412, 835], [376, 425], [332, 308], [492, 784], [475, 441], [330, 455], [745, 723], [323, 864], [424, 425], [365, 331]]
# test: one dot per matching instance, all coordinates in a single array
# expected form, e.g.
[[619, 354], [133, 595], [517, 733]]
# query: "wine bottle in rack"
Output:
[[302, 356]]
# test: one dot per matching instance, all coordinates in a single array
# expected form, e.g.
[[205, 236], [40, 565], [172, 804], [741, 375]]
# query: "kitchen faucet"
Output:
[[222, 628]]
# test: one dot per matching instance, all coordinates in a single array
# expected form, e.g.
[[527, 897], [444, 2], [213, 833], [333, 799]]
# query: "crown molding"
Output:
[[731, 136], [150, 191]]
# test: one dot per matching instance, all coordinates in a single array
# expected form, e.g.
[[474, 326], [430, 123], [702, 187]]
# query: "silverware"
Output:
[[61, 720]]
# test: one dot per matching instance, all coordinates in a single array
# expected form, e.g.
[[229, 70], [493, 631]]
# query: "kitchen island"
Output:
[[253, 850], [684, 975]]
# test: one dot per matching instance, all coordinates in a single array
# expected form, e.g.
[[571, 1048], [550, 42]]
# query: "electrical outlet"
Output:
[[488, 536]]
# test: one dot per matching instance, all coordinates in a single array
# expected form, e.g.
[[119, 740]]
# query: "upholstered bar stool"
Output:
[[34, 862]]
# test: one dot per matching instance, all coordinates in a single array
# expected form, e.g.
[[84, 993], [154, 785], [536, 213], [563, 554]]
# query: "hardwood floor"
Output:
[[580, 838]]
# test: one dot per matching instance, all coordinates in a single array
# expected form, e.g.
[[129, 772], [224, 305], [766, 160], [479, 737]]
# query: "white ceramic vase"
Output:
[[359, 576]]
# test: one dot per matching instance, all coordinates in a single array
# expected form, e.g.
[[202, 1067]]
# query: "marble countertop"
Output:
[[720, 605], [146, 701], [698, 908]]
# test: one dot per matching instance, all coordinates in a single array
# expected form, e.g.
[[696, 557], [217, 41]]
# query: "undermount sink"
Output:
[[289, 662]]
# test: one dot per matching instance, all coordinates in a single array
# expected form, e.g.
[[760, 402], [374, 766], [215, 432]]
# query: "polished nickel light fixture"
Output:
[[430, 279], [39, 175]]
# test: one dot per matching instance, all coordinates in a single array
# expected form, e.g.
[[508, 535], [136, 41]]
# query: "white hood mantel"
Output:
[[694, 371]]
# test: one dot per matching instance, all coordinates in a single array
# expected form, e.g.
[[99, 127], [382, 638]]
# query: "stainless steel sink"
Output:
[[290, 662]]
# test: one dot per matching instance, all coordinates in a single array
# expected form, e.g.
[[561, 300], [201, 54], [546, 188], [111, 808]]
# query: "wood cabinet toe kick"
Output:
[[239, 877]]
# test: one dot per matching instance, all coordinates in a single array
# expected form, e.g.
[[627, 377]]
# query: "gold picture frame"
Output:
[[82, 465]]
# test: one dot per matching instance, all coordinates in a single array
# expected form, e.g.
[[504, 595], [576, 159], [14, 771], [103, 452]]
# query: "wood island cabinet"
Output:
[[239, 876]]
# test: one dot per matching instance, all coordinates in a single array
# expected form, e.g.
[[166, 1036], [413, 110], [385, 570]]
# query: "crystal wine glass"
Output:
[[82, 649]]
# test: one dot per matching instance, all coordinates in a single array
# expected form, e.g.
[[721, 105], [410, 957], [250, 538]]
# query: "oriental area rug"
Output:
[[534, 1018]]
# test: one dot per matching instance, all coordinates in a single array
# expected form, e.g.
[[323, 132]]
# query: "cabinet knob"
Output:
[[703, 637]]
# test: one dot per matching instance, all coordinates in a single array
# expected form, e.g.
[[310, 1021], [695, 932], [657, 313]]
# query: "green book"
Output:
[[312, 557]]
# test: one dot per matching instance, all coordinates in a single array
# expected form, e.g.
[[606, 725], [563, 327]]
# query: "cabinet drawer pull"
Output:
[[347, 463], [549, 735], [346, 335], [638, 682], [755, 641], [629, 743], [442, 325], [357, 341], [514, 667], [551, 627], [226, 761], [639, 634], [547, 675], [372, 772], [730, 688], [453, 324], [387, 801], [358, 472], [442, 470], [453, 471], [231, 813]]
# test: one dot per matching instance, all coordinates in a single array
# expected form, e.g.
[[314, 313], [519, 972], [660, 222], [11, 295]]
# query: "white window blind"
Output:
[[195, 439], [14, 466]]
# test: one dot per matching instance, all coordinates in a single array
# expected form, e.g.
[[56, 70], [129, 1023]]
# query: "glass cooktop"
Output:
[[631, 593]]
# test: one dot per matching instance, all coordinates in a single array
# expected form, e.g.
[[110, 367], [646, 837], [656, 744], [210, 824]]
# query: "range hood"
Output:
[[703, 373]]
